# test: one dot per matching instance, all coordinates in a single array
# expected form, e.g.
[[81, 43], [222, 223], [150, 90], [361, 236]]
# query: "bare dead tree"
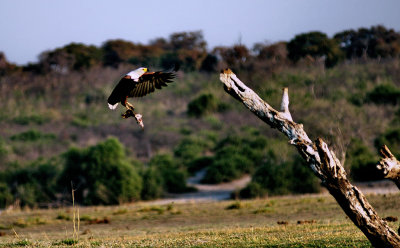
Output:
[[322, 161]]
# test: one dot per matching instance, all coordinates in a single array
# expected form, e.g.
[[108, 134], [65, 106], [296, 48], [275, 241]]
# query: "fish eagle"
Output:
[[138, 83]]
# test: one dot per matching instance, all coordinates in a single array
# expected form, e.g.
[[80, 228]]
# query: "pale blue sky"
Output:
[[30, 27]]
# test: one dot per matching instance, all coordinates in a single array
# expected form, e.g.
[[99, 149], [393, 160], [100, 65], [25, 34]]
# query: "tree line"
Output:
[[189, 49]]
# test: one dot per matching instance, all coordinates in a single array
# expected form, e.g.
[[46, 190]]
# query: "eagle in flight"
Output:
[[138, 83]]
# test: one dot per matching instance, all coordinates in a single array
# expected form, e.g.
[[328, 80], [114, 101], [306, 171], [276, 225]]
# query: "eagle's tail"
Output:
[[113, 106], [114, 98]]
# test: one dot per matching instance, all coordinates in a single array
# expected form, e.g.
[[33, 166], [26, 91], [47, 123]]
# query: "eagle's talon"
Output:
[[128, 113], [130, 107]]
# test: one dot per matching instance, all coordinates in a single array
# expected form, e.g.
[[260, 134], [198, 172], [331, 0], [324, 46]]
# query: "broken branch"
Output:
[[389, 166]]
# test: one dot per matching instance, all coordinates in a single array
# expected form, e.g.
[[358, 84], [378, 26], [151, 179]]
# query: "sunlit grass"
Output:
[[252, 223]]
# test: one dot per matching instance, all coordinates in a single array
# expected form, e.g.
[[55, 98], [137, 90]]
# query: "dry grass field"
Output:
[[301, 221]]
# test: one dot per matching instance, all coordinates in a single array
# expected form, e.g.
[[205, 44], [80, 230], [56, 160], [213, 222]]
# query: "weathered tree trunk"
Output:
[[389, 166], [321, 160]]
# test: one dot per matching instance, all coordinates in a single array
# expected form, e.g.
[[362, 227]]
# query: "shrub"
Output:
[[314, 44], [362, 162], [274, 178], [202, 105], [82, 120], [390, 138], [234, 156], [191, 148], [253, 190], [209, 64], [6, 198], [384, 94], [68, 241], [226, 168], [27, 194], [199, 163], [22, 243], [34, 183], [153, 183], [174, 177], [31, 135], [235, 205], [101, 174], [30, 119], [3, 149], [302, 179], [363, 168]]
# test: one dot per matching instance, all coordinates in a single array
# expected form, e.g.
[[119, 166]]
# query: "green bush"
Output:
[[174, 177], [6, 198], [362, 161], [384, 94], [314, 44], [274, 178], [34, 183], [30, 119], [32, 135], [363, 168], [202, 105], [390, 138], [253, 190], [82, 120], [191, 148], [209, 64], [153, 183], [236, 155], [302, 178], [3, 149], [101, 174], [227, 168], [199, 163]]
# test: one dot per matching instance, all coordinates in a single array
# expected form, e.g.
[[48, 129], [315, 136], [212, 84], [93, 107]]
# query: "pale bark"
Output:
[[320, 159], [389, 166]]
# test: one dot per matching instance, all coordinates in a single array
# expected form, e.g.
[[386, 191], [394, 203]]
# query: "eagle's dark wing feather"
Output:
[[121, 91], [150, 81]]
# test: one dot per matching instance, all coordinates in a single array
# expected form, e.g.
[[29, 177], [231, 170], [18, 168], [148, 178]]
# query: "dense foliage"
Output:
[[101, 174], [172, 176], [314, 44], [32, 185], [279, 178], [236, 155]]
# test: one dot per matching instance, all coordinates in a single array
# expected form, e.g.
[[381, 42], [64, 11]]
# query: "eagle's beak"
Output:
[[144, 69]]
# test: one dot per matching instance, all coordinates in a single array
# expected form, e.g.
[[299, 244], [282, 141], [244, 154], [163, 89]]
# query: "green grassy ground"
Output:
[[305, 221]]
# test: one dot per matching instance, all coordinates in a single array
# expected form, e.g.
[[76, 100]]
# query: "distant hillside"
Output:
[[192, 124]]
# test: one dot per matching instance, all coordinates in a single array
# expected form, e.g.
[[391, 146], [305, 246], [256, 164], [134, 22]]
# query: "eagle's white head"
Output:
[[136, 74]]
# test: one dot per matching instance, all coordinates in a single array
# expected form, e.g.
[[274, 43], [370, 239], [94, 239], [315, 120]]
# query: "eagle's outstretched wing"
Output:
[[120, 92], [138, 83], [150, 81]]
